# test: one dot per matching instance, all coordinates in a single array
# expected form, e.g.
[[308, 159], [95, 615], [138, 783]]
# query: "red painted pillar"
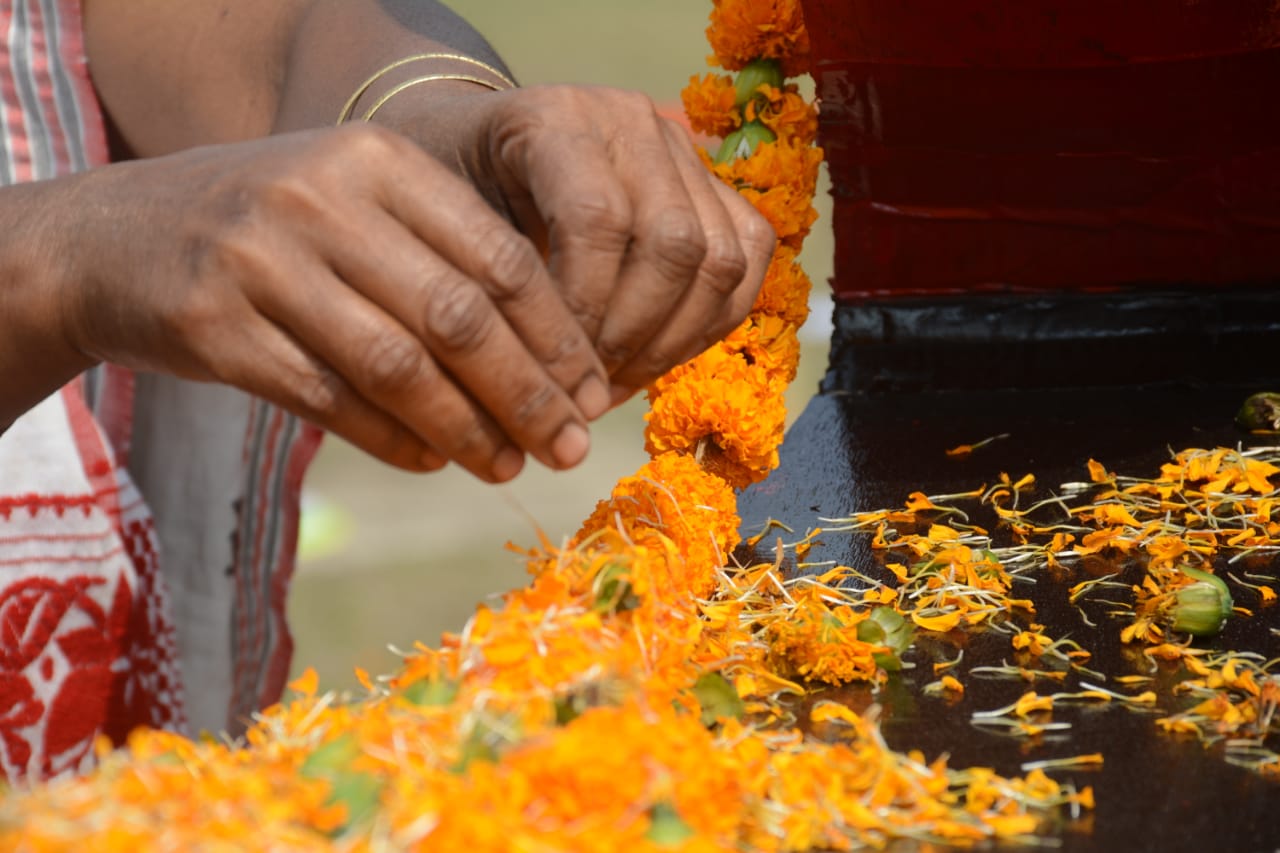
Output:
[[1033, 145]]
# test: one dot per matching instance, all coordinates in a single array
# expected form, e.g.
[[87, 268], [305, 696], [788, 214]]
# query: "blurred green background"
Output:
[[390, 558]]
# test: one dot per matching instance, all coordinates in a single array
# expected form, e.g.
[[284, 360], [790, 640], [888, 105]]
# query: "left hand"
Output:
[[655, 257]]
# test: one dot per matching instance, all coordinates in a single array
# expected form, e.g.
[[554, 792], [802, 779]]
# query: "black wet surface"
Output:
[[852, 452]]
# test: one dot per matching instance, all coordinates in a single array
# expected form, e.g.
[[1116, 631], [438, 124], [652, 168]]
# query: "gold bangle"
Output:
[[378, 104], [349, 106]]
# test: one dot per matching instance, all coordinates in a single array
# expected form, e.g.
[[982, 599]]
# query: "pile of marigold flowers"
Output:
[[638, 693]]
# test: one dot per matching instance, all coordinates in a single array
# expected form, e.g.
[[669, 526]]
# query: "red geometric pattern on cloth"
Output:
[[149, 691], [81, 654], [78, 657], [57, 674], [86, 647]]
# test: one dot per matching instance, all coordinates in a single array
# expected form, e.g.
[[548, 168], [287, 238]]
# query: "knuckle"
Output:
[[467, 440], [286, 195], [674, 130], [588, 313], [758, 235], [532, 404], [568, 347], [677, 241], [365, 141], [390, 362], [318, 392], [635, 101], [512, 264], [516, 124], [227, 249], [192, 313], [602, 219], [614, 350], [725, 265], [458, 316]]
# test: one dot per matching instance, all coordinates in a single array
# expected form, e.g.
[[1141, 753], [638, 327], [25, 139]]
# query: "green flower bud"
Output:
[[431, 692], [887, 627], [744, 141], [718, 698], [762, 72], [666, 827], [613, 589], [360, 792], [1260, 412], [1201, 608]]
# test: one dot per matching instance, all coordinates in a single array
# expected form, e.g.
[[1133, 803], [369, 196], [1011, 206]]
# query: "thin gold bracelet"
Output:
[[349, 106], [378, 104]]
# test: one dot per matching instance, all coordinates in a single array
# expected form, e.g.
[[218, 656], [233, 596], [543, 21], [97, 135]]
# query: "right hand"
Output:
[[657, 258], [345, 275]]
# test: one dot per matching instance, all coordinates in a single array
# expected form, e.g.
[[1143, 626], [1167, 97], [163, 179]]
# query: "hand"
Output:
[[345, 275], [656, 258]]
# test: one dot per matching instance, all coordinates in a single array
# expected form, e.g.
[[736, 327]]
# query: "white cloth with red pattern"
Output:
[[147, 525]]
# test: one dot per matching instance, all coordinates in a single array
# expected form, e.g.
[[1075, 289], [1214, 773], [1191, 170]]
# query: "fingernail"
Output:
[[570, 446], [619, 394], [507, 464], [432, 460], [592, 398]]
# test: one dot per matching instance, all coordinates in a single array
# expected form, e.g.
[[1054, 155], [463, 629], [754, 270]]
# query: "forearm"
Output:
[[174, 75]]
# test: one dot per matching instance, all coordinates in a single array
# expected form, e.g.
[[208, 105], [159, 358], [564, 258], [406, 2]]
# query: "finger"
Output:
[[668, 243], [739, 245], [269, 363], [385, 364], [583, 209], [468, 335], [460, 227]]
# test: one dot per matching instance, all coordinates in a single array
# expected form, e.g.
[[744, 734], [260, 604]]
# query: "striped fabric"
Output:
[[147, 524], [276, 452], [51, 124]]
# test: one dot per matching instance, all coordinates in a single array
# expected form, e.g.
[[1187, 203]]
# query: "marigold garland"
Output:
[[632, 696]]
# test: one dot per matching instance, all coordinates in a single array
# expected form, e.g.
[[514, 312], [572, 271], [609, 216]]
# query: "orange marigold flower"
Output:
[[821, 645], [722, 410], [673, 496], [775, 164], [784, 111], [785, 292], [769, 343], [789, 211], [709, 102], [742, 31]]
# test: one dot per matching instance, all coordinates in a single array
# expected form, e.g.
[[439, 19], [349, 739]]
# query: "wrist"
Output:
[[439, 100], [76, 259], [38, 297], [442, 70]]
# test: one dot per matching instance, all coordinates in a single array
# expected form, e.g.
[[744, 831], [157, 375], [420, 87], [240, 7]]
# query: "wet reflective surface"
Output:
[[854, 451]]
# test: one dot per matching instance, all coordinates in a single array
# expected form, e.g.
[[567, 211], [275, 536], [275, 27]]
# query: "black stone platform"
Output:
[[855, 449]]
